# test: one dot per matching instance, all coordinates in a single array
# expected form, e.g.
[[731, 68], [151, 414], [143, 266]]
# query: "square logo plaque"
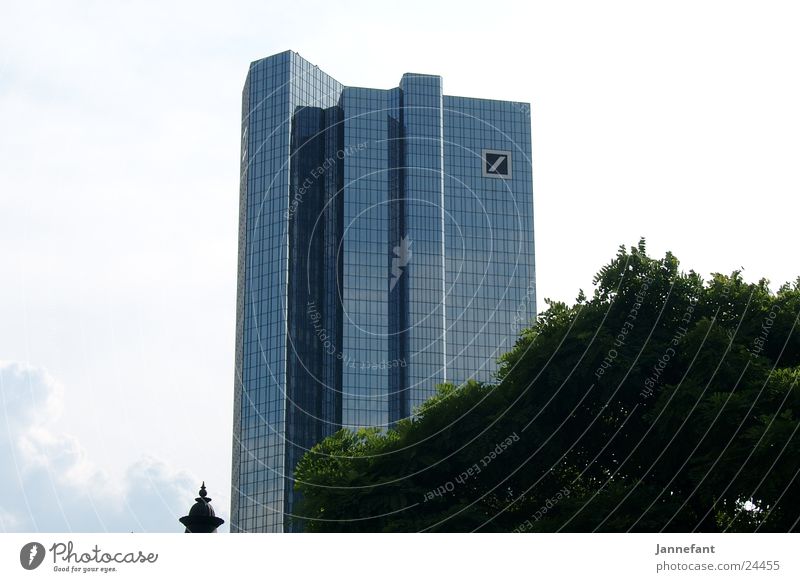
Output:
[[496, 164]]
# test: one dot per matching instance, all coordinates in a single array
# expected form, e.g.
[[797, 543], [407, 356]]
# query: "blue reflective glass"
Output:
[[386, 246]]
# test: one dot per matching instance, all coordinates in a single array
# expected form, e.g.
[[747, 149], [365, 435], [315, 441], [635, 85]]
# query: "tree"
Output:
[[661, 403]]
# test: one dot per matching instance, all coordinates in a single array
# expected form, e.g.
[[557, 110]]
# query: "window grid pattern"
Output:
[[262, 480], [365, 239], [489, 234], [423, 186]]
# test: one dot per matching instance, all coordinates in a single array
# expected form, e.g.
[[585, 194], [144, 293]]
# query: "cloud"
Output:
[[54, 486]]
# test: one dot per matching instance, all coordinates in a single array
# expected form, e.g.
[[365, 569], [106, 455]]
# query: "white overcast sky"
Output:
[[119, 147]]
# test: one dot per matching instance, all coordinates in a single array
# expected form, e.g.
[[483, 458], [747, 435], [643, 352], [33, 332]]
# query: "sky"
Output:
[[119, 165]]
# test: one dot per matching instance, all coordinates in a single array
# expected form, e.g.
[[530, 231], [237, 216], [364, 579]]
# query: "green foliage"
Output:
[[660, 403]]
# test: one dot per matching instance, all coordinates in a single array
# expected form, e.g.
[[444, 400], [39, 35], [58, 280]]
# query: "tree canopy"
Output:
[[661, 403]]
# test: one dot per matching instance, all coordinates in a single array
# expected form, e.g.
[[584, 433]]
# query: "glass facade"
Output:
[[385, 246]]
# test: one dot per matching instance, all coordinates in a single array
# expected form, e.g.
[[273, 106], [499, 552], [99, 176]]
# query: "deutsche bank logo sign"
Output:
[[496, 164]]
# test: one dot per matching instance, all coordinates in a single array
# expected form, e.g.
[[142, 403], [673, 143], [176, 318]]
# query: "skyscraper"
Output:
[[385, 247]]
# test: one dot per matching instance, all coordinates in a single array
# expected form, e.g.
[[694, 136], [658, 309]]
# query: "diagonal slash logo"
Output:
[[493, 168], [402, 255]]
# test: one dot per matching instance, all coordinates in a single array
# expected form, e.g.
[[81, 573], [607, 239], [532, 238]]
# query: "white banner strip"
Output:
[[399, 557]]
